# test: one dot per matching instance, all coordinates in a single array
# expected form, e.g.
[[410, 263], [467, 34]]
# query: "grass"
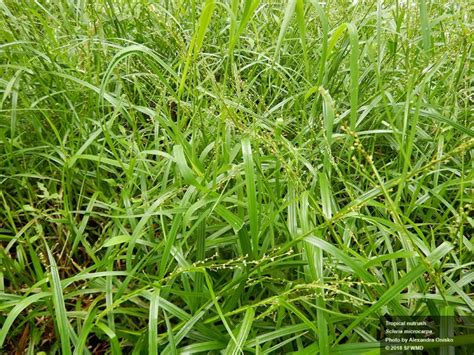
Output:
[[258, 176]]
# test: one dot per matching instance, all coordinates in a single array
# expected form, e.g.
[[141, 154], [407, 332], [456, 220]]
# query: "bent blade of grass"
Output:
[[15, 312], [132, 50], [112, 336], [184, 169], [245, 327], [218, 308], [336, 35]]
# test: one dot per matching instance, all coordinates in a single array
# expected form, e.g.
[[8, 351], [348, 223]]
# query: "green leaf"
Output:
[[196, 41], [425, 27], [235, 221], [183, 167], [251, 193], [354, 69], [61, 320], [116, 240], [245, 327], [289, 11], [325, 195], [153, 322], [15, 312]]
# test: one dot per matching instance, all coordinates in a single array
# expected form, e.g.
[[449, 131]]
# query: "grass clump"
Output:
[[185, 177]]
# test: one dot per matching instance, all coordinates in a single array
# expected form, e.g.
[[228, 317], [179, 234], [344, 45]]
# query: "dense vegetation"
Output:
[[257, 176]]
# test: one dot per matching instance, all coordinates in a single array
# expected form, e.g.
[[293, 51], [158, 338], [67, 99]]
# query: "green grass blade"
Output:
[[19, 307], [251, 194], [196, 41], [289, 12], [61, 320], [244, 330], [249, 10], [153, 322], [354, 69], [425, 27]]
